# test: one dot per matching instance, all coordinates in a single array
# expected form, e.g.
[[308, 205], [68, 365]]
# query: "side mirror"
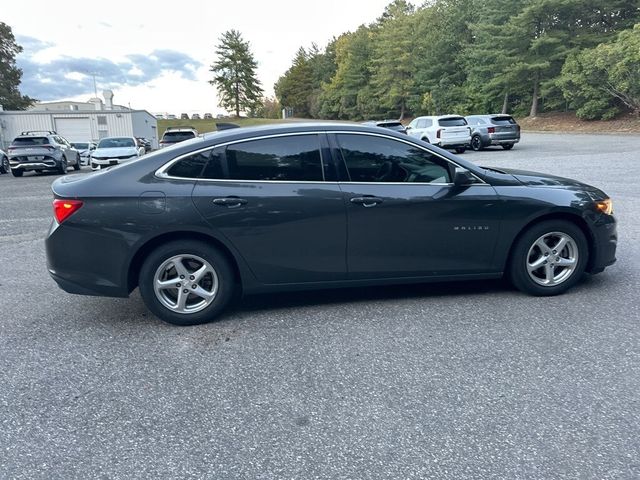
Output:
[[463, 177]]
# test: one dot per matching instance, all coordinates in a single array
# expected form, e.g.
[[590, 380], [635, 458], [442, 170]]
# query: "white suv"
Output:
[[446, 131]]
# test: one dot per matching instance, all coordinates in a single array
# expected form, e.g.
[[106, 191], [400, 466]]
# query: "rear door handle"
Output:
[[229, 201], [366, 201]]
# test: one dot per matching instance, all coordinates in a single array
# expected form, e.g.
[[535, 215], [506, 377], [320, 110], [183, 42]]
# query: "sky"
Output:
[[156, 55]]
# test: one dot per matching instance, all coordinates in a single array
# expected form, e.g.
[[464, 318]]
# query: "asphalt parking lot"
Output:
[[471, 380]]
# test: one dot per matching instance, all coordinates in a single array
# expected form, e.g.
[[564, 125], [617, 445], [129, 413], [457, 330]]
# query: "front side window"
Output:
[[291, 158], [375, 159]]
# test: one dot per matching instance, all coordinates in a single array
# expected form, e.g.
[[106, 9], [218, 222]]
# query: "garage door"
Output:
[[74, 129]]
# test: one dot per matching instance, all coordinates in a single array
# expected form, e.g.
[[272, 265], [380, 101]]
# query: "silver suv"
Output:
[[446, 131], [173, 135], [41, 150], [498, 129]]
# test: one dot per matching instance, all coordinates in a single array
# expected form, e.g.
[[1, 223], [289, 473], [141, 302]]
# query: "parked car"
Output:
[[173, 135], [4, 162], [184, 116], [208, 116], [114, 151], [195, 116], [85, 149], [488, 130], [41, 150], [446, 131], [146, 143], [171, 116], [317, 205], [390, 124]]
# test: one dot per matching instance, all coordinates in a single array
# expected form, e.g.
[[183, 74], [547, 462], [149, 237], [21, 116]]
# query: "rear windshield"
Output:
[[503, 120], [116, 143], [26, 141], [177, 136], [452, 122], [391, 125]]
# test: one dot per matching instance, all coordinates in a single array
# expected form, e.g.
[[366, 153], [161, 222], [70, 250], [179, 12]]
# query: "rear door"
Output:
[[405, 217], [272, 199]]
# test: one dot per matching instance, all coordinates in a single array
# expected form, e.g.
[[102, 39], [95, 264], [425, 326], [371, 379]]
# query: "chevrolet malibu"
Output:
[[317, 205]]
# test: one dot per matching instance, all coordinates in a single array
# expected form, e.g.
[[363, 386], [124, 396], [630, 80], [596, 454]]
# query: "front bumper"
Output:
[[44, 164], [605, 242], [97, 164]]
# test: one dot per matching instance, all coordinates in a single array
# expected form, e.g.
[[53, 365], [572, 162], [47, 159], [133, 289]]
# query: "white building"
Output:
[[80, 121]]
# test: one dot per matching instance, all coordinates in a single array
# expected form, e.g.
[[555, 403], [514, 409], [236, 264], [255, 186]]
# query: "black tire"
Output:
[[223, 270], [476, 143], [17, 172], [518, 271], [425, 139], [62, 166], [76, 167], [507, 146], [460, 150], [4, 165]]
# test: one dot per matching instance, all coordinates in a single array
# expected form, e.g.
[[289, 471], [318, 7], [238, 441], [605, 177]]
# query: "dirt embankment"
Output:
[[568, 122]]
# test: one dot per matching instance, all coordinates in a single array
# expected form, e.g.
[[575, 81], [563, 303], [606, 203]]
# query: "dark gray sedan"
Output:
[[318, 205], [489, 130]]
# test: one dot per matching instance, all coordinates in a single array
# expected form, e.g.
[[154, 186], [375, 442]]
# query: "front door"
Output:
[[406, 218], [268, 197]]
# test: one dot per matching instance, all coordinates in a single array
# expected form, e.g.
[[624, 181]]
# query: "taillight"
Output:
[[62, 209], [438, 133], [491, 130], [10, 149]]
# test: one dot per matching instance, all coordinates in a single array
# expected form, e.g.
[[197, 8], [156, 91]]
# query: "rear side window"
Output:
[[424, 123], [28, 141], [292, 158], [503, 120], [191, 166], [452, 122]]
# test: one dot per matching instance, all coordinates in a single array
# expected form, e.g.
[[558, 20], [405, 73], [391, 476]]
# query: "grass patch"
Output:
[[204, 126]]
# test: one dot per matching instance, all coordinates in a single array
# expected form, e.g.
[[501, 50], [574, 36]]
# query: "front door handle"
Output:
[[230, 201], [366, 201]]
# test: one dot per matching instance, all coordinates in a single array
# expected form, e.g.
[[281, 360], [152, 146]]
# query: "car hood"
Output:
[[536, 179], [114, 152]]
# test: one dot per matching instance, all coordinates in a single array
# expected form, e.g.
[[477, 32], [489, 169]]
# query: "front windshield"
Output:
[[116, 143], [80, 146]]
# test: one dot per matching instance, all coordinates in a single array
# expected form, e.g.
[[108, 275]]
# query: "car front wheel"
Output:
[[186, 282], [62, 166], [549, 258]]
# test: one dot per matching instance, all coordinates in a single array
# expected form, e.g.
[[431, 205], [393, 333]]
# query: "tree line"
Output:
[[474, 56]]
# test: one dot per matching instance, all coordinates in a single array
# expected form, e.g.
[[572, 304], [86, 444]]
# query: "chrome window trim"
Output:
[[161, 172]]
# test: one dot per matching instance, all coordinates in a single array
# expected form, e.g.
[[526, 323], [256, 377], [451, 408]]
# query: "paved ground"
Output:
[[447, 381]]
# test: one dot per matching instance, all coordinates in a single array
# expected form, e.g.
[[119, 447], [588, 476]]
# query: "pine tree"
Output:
[[10, 74], [295, 87], [235, 74]]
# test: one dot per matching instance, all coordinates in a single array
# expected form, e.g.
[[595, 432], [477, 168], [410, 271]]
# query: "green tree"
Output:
[[294, 88], [598, 82], [235, 74], [392, 65], [10, 74]]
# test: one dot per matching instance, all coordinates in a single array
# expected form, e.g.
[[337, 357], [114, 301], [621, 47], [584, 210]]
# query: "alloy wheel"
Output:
[[552, 259], [185, 284]]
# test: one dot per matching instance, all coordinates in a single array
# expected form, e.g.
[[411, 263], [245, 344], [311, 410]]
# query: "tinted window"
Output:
[[24, 141], [452, 122], [214, 169], [116, 143], [504, 120], [376, 159], [177, 136], [191, 166], [294, 158]]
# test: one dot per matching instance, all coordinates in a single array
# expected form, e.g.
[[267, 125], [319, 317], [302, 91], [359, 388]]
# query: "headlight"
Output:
[[605, 206]]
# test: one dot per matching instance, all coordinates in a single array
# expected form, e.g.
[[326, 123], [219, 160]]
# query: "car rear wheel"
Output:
[[4, 165], [507, 146], [476, 143], [460, 150], [425, 139], [549, 258], [186, 282], [17, 172], [62, 166]]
